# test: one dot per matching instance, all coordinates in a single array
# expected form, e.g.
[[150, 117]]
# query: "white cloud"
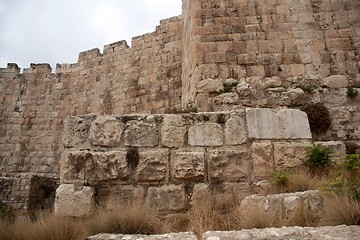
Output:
[[57, 30]]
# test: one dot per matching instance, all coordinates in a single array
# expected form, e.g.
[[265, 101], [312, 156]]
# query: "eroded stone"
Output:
[[152, 165], [235, 131], [188, 165], [141, 134], [173, 131], [169, 198], [106, 131], [290, 154], [263, 161], [205, 134]]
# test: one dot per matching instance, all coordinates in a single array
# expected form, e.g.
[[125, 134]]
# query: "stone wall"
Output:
[[166, 160]]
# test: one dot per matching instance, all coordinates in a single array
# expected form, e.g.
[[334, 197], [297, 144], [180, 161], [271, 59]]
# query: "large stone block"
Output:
[[228, 165], [168, 236], [262, 157], [277, 124], [167, 199], [106, 131], [112, 196], [235, 130], [141, 134], [85, 166], [206, 134], [188, 165], [74, 201], [336, 81], [290, 154], [76, 130], [173, 131], [209, 86], [153, 165]]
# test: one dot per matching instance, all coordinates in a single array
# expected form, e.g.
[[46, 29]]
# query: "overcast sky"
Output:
[[55, 31]]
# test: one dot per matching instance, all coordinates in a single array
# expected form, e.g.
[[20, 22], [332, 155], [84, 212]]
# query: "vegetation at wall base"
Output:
[[318, 159]]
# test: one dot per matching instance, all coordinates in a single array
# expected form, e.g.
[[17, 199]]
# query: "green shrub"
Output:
[[280, 178], [318, 159], [352, 161], [352, 92]]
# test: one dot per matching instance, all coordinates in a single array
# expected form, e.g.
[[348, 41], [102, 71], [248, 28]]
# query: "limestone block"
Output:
[[290, 154], [228, 165], [173, 131], [74, 201], [205, 134], [168, 198], [168, 236], [338, 149], [112, 196], [106, 131], [76, 130], [152, 165], [336, 81], [226, 98], [244, 89], [140, 134], [209, 86], [188, 165], [235, 131], [263, 162], [82, 166], [277, 124]]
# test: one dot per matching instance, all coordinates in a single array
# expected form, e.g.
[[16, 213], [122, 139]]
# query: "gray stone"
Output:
[[166, 199], [173, 131], [140, 134], [152, 165], [188, 165], [74, 201], [205, 134], [277, 124], [235, 131], [106, 131]]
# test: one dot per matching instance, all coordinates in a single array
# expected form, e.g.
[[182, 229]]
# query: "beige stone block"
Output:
[[152, 165], [297, 69], [74, 201], [248, 58], [188, 166], [121, 194], [338, 44], [173, 131], [76, 130], [141, 134], [166, 199], [235, 130], [257, 71], [262, 157], [226, 99], [106, 131], [277, 124], [205, 134], [209, 86], [215, 57], [336, 81], [282, 10], [289, 155], [228, 165]]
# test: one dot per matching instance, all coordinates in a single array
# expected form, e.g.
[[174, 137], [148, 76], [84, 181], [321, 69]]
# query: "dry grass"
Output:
[[341, 209]]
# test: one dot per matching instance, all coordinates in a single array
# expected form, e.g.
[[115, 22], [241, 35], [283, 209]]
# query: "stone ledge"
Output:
[[172, 236]]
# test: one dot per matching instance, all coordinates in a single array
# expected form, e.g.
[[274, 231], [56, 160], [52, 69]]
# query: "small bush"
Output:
[[352, 92], [280, 178], [318, 159], [319, 117], [352, 162]]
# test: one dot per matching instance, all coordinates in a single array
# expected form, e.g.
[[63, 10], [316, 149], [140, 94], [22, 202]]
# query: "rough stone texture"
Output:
[[229, 165], [262, 157], [76, 130], [166, 199], [188, 166], [210, 85], [235, 131], [153, 165], [106, 131], [319, 233], [285, 206], [277, 124], [205, 134], [168, 236], [173, 131], [75, 201], [140, 134], [290, 154]]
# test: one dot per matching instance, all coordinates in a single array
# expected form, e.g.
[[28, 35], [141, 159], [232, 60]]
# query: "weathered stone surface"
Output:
[[166, 199], [152, 165], [106, 131], [205, 134], [277, 124], [228, 165], [336, 81], [262, 157], [188, 165], [83, 166], [235, 131], [320, 233], [74, 201], [173, 131], [168, 236], [141, 134], [209, 86], [287, 206], [290, 154], [76, 130], [115, 195]]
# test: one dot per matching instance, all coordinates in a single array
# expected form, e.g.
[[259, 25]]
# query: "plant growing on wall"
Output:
[[352, 92], [318, 159], [319, 117]]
